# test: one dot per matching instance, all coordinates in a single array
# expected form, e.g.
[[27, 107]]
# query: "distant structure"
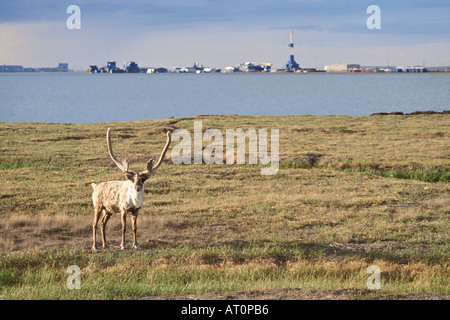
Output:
[[291, 65], [196, 68], [343, 68], [62, 67], [11, 68], [157, 70], [230, 69], [112, 68], [253, 67], [131, 67], [93, 69], [413, 69]]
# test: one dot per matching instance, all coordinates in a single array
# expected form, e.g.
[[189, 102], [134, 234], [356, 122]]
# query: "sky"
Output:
[[220, 33]]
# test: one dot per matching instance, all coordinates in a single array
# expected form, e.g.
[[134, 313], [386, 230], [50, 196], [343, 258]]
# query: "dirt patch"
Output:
[[302, 294]]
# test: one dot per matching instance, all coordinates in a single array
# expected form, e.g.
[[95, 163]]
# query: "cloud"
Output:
[[219, 33], [298, 27]]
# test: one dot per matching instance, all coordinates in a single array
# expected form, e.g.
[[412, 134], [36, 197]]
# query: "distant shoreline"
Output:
[[399, 113], [228, 73], [233, 116]]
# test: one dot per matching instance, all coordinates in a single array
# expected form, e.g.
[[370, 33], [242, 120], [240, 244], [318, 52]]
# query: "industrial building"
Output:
[[188, 70], [408, 69], [131, 67], [62, 67], [93, 69], [196, 68], [343, 68], [411, 69], [11, 68], [157, 70], [112, 68], [230, 69], [109, 68], [291, 65], [210, 70], [251, 67]]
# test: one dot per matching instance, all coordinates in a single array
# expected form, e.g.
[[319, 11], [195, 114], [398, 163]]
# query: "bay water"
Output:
[[97, 98]]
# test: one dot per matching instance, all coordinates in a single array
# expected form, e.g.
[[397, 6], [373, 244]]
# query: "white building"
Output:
[[209, 70], [343, 68]]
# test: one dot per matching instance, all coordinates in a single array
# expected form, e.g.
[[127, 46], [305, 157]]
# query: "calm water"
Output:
[[85, 98]]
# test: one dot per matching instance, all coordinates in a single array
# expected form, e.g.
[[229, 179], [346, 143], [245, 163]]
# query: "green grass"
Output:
[[438, 174], [427, 175], [117, 275], [20, 165]]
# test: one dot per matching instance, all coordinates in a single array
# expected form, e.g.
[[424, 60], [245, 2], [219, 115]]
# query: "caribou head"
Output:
[[138, 178]]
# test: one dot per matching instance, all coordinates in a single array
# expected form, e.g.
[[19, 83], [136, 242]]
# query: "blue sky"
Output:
[[220, 33]]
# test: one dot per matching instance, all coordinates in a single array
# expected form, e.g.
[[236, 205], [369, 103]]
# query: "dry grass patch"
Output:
[[20, 231]]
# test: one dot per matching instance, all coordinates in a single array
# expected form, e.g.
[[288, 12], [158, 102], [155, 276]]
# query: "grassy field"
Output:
[[351, 192]]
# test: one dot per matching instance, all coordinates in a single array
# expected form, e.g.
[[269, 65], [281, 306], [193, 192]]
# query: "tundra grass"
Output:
[[350, 192], [118, 275]]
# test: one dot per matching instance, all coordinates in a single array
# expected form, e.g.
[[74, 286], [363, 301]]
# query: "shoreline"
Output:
[[226, 73], [224, 116]]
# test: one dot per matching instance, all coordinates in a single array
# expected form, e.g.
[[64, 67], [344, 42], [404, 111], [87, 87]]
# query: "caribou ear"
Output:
[[129, 176]]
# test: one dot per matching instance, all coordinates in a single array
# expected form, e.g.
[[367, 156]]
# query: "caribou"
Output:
[[122, 197]]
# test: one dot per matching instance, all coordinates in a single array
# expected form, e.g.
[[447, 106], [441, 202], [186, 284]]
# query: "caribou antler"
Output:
[[161, 157], [123, 165]]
